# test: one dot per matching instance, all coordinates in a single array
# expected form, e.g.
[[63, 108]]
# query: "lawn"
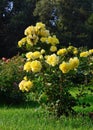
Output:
[[39, 119]]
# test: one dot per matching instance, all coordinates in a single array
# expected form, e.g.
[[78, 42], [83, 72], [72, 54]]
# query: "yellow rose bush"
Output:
[[52, 72]]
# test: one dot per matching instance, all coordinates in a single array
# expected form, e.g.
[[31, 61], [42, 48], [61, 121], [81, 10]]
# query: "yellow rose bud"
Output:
[[42, 51], [53, 48], [62, 51]]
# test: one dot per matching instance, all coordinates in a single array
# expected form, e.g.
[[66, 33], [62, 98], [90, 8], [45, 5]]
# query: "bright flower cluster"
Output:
[[34, 66], [86, 53], [25, 85], [33, 55], [53, 40], [72, 49], [54, 57], [73, 63], [62, 51], [36, 33]]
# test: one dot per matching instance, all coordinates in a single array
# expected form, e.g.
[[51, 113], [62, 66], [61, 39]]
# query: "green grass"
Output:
[[39, 119]]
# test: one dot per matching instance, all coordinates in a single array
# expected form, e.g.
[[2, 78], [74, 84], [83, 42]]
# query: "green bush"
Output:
[[11, 72]]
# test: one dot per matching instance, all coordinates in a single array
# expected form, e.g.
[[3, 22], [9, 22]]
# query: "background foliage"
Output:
[[10, 75]]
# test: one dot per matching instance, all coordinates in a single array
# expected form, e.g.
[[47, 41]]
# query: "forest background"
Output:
[[70, 20]]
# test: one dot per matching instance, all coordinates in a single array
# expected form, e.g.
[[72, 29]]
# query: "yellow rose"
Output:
[[29, 41], [53, 48], [52, 59], [64, 67], [41, 57], [25, 78], [62, 51], [22, 42], [29, 55], [40, 25], [27, 66], [84, 54], [25, 85], [21, 85], [91, 51], [74, 62], [42, 51], [29, 30], [52, 40], [32, 39], [75, 52], [36, 66], [41, 30], [28, 85], [43, 39], [33, 55], [70, 48], [44, 33], [36, 55]]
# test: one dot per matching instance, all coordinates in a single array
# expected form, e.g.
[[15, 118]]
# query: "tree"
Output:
[[67, 19], [89, 26], [3, 4], [15, 16]]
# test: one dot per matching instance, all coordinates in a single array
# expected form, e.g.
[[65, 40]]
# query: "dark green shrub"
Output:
[[11, 72]]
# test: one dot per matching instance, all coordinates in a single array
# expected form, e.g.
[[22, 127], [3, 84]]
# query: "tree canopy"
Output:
[[15, 16], [70, 20]]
